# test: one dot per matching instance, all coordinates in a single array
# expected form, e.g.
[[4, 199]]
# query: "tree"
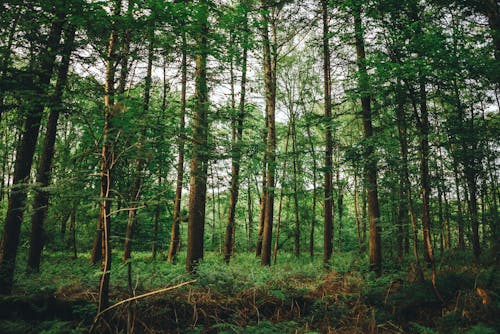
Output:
[[41, 201], [26, 149], [175, 234], [270, 59], [236, 139], [199, 160], [102, 242], [375, 247], [328, 184]]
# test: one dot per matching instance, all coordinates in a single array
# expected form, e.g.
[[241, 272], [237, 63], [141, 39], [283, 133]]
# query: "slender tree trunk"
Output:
[[260, 230], [401, 219], [135, 190], [280, 205], [107, 161], [237, 137], [370, 160], [340, 202], [328, 206], [270, 92], [175, 234], [314, 201], [199, 160], [423, 127], [405, 175], [460, 219], [41, 201], [471, 177], [296, 247], [24, 156], [250, 215], [356, 210], [156, 223], [72, 230]]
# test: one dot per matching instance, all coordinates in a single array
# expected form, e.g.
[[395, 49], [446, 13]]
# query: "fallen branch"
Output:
[[136, 298]]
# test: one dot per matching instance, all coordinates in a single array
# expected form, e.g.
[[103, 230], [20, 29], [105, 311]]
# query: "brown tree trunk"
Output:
[[199, 161], [72, 229], [423, 127], [175, 234], [460, 219], [314, 201], [24, 156], [375, 249], [107, 161], [135, 190], [156, 223], [250, 215], [237, 137], [328, 206], [260, 230], [280, 205], [296, 234], [270, 58], [41, 201], [340, 201], [405, 175]]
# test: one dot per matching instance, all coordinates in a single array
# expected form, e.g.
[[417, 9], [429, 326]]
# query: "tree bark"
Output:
[[199, 161], [375, 249], [296, 234], [405, 175], [270, 94], [237, 137], [135, 190], [280, 205], [24, 156], [175, 234], [314, 202], [328, 183], [107, 161], [41, 201]]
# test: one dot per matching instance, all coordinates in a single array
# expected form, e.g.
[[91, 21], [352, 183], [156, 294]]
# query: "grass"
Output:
[[295, 296]]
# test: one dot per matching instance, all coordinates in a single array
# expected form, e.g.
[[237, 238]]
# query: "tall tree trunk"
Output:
[[405, 175], [237, 137], [107, 161], [471, 176], [280, 205], [423, 127], [250, 214], [356, 210], [328, 206], [135, 190], [175, 234], [24, 155], [156, 223], [270, 58], [41, 201], [460, 218], [296, 234], [314, 201], [340, 201], [260, 230], [72, 229], [375, 249], [199, 160]]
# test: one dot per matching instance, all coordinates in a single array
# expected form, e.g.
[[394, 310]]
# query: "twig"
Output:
[[138, 297]]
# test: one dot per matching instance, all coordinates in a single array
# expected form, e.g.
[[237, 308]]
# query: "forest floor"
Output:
[[294, 296]]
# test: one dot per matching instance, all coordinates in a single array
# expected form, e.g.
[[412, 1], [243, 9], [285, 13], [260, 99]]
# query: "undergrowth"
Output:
[[294, 296]]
